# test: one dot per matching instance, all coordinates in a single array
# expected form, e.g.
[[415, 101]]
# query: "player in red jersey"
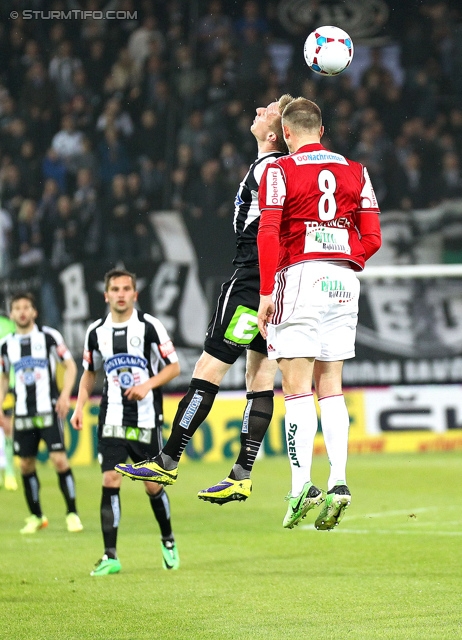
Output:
[[319, 224]]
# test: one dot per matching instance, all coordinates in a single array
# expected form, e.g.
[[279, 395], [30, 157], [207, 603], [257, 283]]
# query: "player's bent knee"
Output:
[[153, 488], [112, 479]]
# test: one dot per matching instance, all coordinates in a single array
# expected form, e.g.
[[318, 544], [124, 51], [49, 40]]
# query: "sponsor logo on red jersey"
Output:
[[275, 188], [318, 157]]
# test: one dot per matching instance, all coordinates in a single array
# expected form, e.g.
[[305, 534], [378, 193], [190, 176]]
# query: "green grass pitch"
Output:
[[391, 570]]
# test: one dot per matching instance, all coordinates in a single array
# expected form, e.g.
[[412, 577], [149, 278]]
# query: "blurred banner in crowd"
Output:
[[409, 331]]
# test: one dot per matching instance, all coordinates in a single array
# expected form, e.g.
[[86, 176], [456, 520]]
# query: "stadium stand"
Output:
[[103, 121]]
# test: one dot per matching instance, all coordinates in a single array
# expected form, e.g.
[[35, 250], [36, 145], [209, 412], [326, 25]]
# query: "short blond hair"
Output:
[[302, 115], [276, 124]]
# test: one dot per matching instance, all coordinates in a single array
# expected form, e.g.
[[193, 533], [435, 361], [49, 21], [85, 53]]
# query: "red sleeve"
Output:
[[268, 248], [368, 225], [271, 196]]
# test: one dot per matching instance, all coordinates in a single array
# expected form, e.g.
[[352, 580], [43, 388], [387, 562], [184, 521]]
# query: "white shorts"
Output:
[[316, 312]]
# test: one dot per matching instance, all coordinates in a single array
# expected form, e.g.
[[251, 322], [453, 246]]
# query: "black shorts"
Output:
[[234, 327], [26, 438], [117, 444]]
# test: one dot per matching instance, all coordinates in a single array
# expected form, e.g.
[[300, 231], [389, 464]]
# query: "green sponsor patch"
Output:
[[243, 326], [132, 433], [40, 422]]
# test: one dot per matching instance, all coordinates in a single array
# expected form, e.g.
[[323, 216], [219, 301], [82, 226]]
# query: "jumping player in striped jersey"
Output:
[[32, 352], [319, 224], [232, 329], [138, 358]]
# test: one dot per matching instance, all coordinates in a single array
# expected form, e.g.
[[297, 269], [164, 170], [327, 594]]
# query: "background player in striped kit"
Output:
[[32, 352], [138, 358], [232, 329], [319, 224]]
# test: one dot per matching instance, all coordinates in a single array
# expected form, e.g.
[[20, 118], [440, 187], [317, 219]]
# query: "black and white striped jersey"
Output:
[[130, 352], [33, 357], [247, 212]]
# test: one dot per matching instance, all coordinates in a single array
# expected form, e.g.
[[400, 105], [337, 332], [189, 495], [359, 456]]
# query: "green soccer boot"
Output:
[[309, 497], [337, 500]]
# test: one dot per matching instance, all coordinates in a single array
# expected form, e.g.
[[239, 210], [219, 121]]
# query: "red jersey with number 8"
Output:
[[321, 206]]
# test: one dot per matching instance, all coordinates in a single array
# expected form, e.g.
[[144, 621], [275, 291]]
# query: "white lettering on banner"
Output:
[[318, 157], [413, 408], [441, 370], [165, 290], [368, 372], [357, 372], [192, 306], [74, 332], [275, 188], [76, 302], [414, 318]]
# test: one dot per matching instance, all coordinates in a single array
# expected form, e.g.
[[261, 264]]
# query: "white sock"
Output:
[[301, 424], [335, 423]]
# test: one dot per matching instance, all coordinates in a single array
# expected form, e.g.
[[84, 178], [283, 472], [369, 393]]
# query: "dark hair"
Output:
[[118, 273], [24, 295]]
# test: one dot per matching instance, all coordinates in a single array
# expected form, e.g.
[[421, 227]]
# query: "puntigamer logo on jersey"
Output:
[[28, 369], [30, 363], [124, 360]]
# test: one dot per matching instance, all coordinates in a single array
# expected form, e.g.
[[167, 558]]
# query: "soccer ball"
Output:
[[328, 50]]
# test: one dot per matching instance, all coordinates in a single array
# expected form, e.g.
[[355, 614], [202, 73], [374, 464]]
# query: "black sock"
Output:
[[191, 413], [32, 491], [67, 486], [110, 518], [161, 507], [257, 417]]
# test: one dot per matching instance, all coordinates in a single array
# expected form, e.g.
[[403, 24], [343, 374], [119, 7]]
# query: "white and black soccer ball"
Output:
[[328, 50]]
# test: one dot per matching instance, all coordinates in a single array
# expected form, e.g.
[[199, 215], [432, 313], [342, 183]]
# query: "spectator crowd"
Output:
[[104, 121]]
